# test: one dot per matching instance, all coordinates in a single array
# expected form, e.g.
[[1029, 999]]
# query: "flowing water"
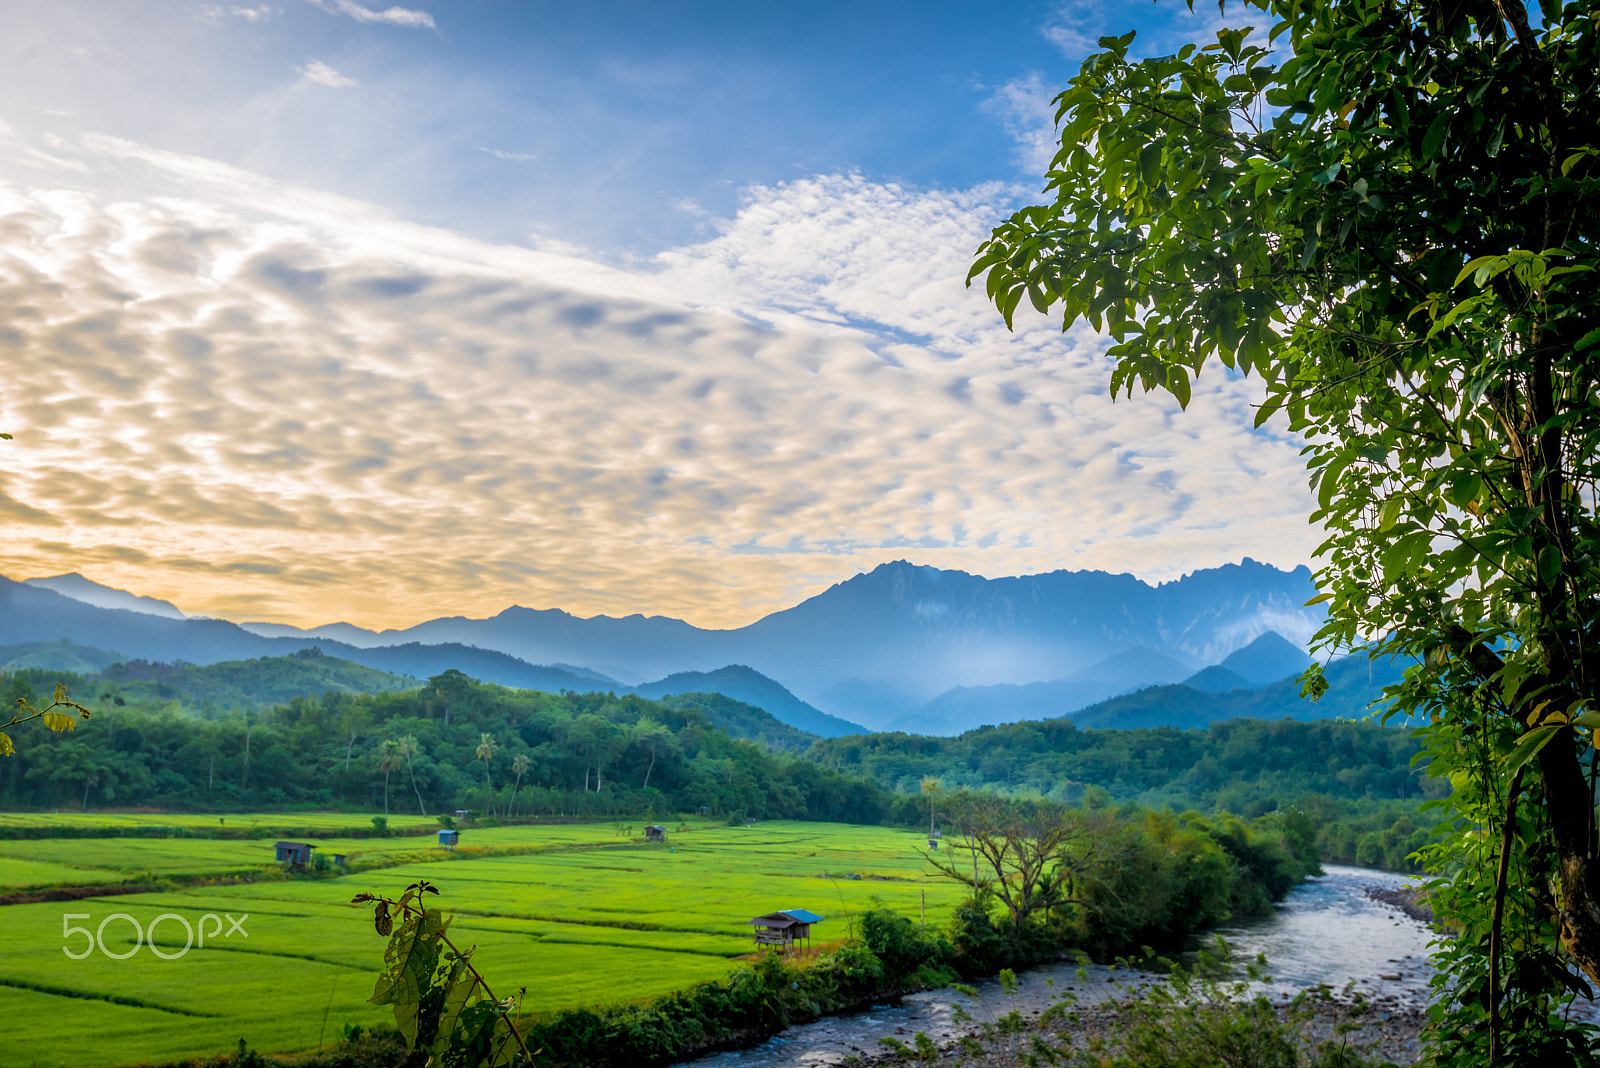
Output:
[[1327, 931]]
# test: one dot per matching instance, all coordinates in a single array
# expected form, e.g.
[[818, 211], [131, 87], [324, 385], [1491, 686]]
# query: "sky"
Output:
[[322, 309]]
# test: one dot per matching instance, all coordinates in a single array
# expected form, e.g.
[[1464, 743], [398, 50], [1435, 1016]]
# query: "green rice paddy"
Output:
[[590, 918]]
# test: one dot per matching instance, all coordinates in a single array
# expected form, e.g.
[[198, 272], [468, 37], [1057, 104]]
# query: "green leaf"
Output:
[[1529, 745], [458, 988], [1438, 129], [1390, 513], [1472, 267]]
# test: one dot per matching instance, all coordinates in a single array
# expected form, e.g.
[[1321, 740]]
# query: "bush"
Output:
[[898, 943]]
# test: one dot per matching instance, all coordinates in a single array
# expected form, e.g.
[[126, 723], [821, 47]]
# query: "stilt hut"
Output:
[[785, 929], [655, 833], [294, 854]]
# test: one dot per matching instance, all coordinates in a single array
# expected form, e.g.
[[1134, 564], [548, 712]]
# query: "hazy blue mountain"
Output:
[[1135, 668], [752, 688], [88, 591], [1353, 683], [1267, 659], [56, 656], [1218, 679], [347, 633], [964, 708], [30, 613], [868, 650]]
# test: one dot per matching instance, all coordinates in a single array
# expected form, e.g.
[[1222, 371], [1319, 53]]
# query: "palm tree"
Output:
[[520, 765], [486, 751], [388, 757], [407, 747]]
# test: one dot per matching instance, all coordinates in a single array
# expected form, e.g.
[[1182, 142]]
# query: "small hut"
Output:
[[655, 833], [449, 838], [294, 854], [784, 929]]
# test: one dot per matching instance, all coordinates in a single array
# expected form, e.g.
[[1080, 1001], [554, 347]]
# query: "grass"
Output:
[[247, 823], [587, 920]]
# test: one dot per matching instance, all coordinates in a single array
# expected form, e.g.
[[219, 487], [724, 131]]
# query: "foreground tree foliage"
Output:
[[1392, 221]]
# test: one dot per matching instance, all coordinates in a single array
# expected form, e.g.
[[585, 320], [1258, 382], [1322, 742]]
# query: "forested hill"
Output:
[[1354, 683], [453, 743], [231, 684], [1247, 766]]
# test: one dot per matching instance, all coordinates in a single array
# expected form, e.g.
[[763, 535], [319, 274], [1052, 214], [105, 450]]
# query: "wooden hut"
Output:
[[655, 833], [784, 929], [449, 838], [294, 854]]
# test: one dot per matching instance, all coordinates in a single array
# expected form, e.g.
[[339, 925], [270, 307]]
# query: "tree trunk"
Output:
[[648, 770], [348, 750], [1567, 802], [386, 794], [87, 784], [413, 771]]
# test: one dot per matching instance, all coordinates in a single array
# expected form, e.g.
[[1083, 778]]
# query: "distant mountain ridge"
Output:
[[752, 688], [871, 650], [883, 643]]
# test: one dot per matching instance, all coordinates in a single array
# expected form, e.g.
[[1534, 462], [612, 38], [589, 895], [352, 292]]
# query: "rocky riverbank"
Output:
[[1383, 1033]]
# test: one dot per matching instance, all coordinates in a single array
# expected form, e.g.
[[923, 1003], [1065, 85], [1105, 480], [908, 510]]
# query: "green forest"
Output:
[[159, 738]]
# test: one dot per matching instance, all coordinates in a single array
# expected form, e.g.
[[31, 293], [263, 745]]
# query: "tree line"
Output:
[[453, 743]]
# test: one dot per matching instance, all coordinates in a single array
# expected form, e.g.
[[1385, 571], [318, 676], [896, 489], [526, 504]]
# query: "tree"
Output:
[[487, 747], [1394, 228], [353, 721], [520, 765], [407, 748], [450, 686], [388, 757], [654, 738], [1024, 852]]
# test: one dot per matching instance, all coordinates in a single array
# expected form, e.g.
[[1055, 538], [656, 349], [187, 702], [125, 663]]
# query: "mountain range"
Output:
[[900, 647]]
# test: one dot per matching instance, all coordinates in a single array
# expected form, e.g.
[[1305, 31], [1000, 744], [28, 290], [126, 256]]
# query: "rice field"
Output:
[[329, 822], [590, 919]]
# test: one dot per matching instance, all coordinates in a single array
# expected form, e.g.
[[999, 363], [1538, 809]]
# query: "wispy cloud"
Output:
[[515, 157], [215, 12], [1024, 108], [322, 74], [243, 392], [1075, 27], [392, 16]]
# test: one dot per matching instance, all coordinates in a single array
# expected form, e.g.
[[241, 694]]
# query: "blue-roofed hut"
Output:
[[784, 929]]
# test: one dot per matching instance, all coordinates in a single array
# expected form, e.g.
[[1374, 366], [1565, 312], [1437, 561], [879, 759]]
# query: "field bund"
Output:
[[580, 915]]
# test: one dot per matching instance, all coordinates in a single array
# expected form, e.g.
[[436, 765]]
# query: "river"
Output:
[[1327, 931]]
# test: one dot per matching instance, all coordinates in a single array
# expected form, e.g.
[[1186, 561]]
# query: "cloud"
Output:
[[242, 392], [214, 12], [319, 72], [393, 16], [516, 157], [1025, 110], [1075, 27]]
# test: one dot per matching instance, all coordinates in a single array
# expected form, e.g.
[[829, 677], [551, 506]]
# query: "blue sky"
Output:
[[343, 310]]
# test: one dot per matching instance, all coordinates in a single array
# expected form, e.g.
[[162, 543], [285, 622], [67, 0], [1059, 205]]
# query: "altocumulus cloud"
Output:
[[252, 398]]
